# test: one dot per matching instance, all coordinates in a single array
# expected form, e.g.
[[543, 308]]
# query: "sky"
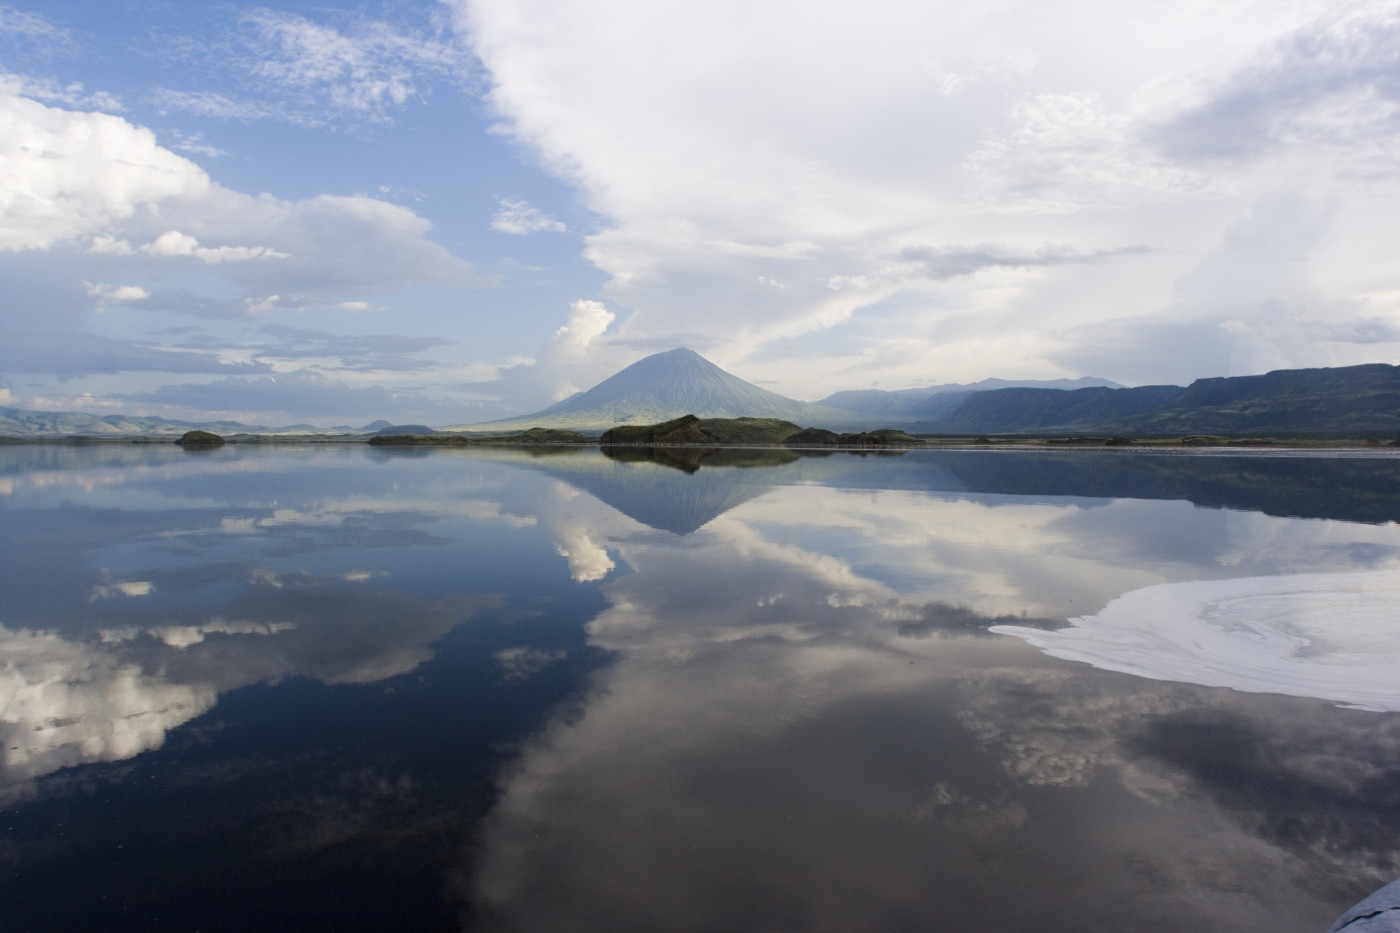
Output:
[[447, 211]]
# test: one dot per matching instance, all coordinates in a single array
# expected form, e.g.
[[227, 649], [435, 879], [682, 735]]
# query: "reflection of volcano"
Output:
[[668, 492], [668, 499], [652, 485]]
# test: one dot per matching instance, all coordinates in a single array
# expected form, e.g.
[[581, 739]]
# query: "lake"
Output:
[[743, 690]]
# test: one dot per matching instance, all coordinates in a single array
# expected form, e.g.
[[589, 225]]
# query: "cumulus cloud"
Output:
[[74, 175], [579, 353], [70, 174], [175, 243], [104, 295], [518, 217], [89, 196]]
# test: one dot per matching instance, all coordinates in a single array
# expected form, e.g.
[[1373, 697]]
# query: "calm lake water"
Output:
[[354, 689]]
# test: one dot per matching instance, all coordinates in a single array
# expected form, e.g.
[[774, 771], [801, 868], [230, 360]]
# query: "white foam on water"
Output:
[[1334, 636]]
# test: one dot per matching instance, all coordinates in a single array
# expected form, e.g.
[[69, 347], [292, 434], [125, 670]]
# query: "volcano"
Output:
[[665, 386]]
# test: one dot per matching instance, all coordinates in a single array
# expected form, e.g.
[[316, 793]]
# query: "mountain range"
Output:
[[1361, 399], [1355, 400], [20, 422]]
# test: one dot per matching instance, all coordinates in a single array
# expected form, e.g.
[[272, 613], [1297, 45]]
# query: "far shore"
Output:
[[456, 441]]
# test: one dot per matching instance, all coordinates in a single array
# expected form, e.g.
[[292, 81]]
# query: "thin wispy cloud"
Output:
[[518, 217], [290, 68]]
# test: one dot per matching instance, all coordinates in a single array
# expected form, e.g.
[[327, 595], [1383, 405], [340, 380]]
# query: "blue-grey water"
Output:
[[353, 689]]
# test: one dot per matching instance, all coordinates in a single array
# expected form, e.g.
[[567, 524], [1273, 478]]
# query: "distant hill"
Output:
[[19, 422], [1343, 400], [1022, 410], [906, 405], [664, 386]]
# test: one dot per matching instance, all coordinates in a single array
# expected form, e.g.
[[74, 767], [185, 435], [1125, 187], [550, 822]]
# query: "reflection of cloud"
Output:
[[66, 703], [523, 661], [1280, 773], [182, 636], [335, 513], [1331, 636], [1057, 728], [132, 588], [587, 561], [811, 644]]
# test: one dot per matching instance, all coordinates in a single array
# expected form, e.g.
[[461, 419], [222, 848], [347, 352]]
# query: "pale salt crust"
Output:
[[1334, 636]]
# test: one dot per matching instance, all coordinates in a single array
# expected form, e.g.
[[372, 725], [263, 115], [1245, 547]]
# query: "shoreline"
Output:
[[1188, 444]]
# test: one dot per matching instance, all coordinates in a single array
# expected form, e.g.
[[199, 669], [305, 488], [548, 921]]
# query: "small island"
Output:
[[200, 440]]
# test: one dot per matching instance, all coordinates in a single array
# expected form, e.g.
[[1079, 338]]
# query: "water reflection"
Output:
[[70, 701], [717, 693], [807, 727]]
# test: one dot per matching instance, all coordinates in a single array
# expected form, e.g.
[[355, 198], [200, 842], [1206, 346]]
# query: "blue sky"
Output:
[[452, 211]]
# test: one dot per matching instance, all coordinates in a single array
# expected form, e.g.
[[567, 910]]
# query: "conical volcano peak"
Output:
[[667, 385]]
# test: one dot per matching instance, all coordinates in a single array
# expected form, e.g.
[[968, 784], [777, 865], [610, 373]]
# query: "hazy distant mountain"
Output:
[[19, 422], [665, 386], [1009, 411], [932, 401]]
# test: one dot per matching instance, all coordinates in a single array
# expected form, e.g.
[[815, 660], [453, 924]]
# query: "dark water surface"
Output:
[[352, 689]]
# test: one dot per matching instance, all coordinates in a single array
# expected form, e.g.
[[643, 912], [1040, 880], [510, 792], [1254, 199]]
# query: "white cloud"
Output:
[[518, 217], [105, 295], [71, 175], [1063, 153], [588, 320], [175, 243], [116, 293], [577, 355], [820, 142]]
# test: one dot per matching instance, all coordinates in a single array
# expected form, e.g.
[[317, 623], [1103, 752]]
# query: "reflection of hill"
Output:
[[681, 489], [1349, 488]]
